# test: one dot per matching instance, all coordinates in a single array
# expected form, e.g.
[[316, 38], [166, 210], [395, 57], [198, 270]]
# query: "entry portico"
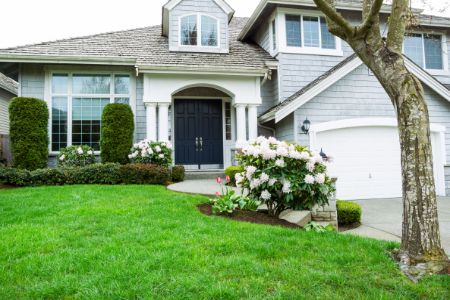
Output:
[[214, 112]]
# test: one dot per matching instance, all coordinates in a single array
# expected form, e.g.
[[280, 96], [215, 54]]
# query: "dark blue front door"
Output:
[[198, 132]]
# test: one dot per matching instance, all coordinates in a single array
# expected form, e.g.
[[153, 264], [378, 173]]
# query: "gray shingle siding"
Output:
[[360, 95], [206, 7], [269, 94], [285, 130], [32, 81]]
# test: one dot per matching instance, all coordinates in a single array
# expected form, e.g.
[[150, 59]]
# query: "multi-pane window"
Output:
[[425, 50], [190, 27], [228, 135], [77, 105], [308, 31]]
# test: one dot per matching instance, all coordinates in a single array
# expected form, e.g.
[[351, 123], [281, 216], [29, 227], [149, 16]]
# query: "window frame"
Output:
[[282, 34], [199, 32], [445, 70], [70, 72]]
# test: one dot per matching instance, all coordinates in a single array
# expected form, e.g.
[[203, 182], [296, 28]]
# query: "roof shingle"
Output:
[[149, 48]]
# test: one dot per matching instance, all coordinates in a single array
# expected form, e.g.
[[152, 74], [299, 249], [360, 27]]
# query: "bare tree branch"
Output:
[[371, 13], [397, 25], [335, 17]]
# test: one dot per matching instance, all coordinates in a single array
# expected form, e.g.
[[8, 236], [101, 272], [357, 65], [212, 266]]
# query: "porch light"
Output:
[[306, 126]]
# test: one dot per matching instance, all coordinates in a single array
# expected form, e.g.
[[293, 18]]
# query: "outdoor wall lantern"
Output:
[[306, 126]]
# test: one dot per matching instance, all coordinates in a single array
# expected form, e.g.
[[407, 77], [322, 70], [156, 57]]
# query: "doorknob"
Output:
[[201, 144], [196, 144]]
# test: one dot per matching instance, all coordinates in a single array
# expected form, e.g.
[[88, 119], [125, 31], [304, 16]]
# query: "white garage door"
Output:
[[366, 161]]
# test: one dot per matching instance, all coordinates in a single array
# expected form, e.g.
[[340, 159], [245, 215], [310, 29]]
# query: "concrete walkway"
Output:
[[382, 219], [207, 187]]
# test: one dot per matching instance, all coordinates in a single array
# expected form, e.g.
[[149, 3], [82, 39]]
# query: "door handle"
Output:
[[201, 144], [196, 144]]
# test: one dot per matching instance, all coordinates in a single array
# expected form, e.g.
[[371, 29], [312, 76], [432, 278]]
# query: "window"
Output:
[[309, 32], [228, 136], [425, 50], [209, 31], [77, 105], [274, 35]]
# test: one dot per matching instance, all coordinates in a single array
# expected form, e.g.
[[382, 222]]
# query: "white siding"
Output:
[[4, 115]]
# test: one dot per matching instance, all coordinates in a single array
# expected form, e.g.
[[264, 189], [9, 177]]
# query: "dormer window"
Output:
[[425, 50], [209, 31]]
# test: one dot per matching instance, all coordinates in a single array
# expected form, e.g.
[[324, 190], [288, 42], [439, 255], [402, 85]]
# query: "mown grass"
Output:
[[143, 242]]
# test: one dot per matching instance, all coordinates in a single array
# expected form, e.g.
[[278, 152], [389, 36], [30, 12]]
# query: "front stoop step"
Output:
[[200, 175], [298, 217]]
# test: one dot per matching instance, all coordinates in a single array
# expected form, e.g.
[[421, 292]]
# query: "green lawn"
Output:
[[142, 242]]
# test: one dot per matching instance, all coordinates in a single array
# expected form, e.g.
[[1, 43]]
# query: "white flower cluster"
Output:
[[79, 151], [144, 149]]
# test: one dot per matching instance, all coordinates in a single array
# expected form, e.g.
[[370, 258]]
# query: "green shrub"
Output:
[[178, 173], [231, 172], [29, 133], [117, 133], [144, 174], [92, 174], [76, 156], [348, 212]]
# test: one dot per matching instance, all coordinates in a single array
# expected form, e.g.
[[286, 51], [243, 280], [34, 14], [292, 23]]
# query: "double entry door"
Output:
[[198, 133]]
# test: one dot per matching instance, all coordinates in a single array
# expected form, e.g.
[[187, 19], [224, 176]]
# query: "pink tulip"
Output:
[[217, 194], [228, 178], [219, 180]]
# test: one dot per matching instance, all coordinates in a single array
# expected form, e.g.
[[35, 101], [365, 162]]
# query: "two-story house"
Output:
[[206, 81]]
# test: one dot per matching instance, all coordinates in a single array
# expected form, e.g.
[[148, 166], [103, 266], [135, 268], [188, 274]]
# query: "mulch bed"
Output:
[[344, 228], [248, 216], [6, 187]]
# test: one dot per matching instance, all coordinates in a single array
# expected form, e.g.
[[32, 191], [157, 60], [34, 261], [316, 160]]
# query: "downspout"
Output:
[[267, 128], [267, 76]]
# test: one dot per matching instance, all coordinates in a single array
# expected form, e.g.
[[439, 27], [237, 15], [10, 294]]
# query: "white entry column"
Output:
[[163, 122], [241, 124], [252, 122], [151, 120]]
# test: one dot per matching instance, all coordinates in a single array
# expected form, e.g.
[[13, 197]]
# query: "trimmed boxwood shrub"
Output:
[[348, 212], [29, 133], [231, 172], [145, 174], [178, 173], [92, 174], [117, 133]]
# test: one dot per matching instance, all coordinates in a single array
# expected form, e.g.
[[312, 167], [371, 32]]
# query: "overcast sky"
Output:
[[32, 21]]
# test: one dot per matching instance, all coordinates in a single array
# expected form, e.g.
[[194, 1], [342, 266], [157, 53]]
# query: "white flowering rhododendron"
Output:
[[283, 175], [149, 152], [76, 156]]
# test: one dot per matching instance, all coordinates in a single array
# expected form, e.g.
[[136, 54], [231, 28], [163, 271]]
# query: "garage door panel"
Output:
[[366, 160]]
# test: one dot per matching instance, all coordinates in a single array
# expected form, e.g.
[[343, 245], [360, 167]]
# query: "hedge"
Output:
[[348, 212], [178, 173], [29, 133], [93, 174], [116, 133]]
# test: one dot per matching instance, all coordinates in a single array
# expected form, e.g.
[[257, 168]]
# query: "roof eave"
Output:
[[67, 59], [204, 70]]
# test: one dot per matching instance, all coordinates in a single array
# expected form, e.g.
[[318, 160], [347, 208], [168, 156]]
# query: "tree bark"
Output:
[[420, 233]]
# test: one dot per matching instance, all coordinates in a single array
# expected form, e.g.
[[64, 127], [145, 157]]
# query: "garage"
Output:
[[366, 156]]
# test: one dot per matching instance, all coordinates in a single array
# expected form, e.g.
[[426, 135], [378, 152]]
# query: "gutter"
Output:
[[204, 70], [68, 59]]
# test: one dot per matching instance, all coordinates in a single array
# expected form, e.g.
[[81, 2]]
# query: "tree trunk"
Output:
[[420, 233]]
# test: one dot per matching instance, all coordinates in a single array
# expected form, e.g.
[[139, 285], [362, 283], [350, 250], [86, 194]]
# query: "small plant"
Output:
[[229, 201], [178, 173], [148, 152], [76, 156], [349, 213], [313, 226], [231, 173]]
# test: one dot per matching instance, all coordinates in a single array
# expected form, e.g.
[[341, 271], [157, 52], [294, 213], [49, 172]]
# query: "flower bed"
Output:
[[283, 175]]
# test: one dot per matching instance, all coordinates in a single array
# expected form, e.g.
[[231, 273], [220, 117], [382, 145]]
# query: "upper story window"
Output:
[[209, 31], [425, 50], [308, 32]]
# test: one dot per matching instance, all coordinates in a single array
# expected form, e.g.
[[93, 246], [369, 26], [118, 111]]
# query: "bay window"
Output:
[[425, 50], [77, 102], [199, 30]]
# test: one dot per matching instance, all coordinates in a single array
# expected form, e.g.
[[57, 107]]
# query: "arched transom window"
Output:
[[190, 35]]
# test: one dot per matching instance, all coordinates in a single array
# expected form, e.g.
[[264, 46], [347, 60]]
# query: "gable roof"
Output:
[[265, 7], [144, 48], [8, 84], [171, 4], [306, 94]]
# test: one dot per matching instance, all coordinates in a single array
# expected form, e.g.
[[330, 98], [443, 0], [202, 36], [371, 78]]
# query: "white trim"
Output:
[[199, 47], [282, 36], [68, 59], [222, 4], [206, 70], [438, 131], [421, 74], [316, 90]]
